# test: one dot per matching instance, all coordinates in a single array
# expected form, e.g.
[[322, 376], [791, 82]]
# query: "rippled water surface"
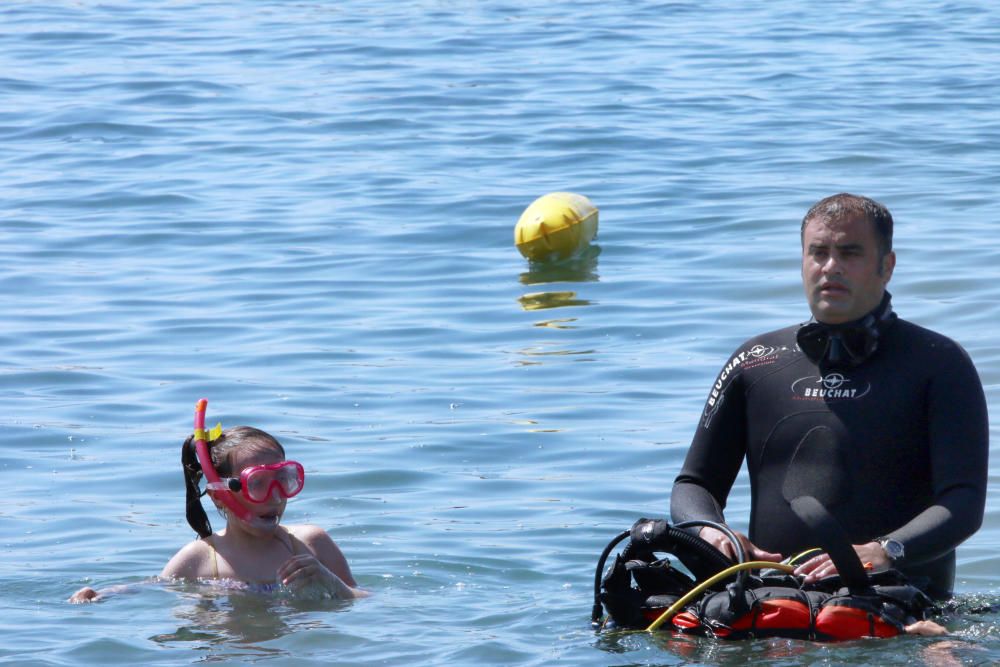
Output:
[[304, 212]]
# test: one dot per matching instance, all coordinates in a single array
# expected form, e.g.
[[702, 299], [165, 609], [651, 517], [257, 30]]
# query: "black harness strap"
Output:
[[832, 538]]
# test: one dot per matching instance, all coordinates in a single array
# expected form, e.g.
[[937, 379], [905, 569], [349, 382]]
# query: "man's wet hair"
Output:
[[845, 206]]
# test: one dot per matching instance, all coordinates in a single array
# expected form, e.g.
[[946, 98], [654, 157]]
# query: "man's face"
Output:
[[841, 271]]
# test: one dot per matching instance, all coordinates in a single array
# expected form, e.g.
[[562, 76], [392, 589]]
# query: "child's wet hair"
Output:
[[222, 450]]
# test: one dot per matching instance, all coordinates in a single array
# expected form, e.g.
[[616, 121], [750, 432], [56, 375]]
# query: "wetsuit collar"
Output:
[[849, 344]]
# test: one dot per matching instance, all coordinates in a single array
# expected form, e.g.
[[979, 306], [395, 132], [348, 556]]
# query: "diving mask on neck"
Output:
[[846, 345]]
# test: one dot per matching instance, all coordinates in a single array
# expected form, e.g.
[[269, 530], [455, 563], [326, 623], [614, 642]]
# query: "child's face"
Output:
[[266, 515]]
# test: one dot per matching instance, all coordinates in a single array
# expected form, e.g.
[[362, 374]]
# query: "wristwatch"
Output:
[[893, 548]]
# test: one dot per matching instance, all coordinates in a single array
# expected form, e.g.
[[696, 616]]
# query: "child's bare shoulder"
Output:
[[191, 562], [311, 535]]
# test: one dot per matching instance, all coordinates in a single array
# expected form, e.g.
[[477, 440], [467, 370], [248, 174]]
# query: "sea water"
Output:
[[304, 212]]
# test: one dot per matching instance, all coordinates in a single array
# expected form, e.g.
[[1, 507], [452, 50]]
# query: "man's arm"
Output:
[[959, 453], [712, 464], [716, 453]]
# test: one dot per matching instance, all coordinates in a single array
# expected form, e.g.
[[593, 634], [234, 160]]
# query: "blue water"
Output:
[[305, 211]]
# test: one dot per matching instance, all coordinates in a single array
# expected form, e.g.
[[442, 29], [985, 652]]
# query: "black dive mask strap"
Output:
[[846, 345]]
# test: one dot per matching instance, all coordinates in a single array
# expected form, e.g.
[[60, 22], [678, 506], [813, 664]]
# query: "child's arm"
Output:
[[191, 562], [88, 594]]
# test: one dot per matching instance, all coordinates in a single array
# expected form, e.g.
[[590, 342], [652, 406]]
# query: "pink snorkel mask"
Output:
[[216, 488]]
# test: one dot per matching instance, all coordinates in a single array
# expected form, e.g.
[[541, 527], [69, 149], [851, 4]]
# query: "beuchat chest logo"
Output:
[[829, 387]]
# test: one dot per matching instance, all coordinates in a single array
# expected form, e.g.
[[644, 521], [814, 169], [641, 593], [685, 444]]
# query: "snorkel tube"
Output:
[[216, 489]]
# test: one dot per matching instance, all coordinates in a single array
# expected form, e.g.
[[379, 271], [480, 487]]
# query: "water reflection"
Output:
[[242, 621], [543, 300], [535, 355], [579, 269], [228, 619], [563, 323]]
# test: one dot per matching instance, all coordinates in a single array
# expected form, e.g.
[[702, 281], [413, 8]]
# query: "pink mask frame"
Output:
[[246, 485]]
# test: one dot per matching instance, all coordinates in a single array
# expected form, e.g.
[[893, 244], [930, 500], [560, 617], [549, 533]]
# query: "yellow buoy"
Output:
[[556, 226]]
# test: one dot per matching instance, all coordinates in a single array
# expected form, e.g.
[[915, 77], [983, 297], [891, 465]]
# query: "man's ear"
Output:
[[888, 264]]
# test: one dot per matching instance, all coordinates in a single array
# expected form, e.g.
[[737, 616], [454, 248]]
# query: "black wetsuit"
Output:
[[910, 434]]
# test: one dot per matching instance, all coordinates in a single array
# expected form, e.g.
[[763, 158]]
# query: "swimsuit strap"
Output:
[[215, 559], [293, 543]]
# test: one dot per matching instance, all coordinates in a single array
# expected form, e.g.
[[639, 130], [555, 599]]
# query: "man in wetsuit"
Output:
[[881, 420]]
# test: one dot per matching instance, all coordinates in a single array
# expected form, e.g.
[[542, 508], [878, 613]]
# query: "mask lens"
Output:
[[290, 479], [259, 482]]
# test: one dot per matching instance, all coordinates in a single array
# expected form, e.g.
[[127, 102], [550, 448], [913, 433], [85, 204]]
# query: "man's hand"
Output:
[[927, 629], [871, 554], [721, 541]]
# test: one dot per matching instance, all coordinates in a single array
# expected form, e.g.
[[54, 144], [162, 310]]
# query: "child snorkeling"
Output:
[[250, 482]]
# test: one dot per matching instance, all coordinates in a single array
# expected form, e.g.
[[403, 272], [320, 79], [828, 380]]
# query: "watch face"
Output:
[[893, 549]]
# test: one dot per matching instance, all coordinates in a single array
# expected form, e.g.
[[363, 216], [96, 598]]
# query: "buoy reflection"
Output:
[[563, 323], [543, 300], [538, 355], [579, 269]]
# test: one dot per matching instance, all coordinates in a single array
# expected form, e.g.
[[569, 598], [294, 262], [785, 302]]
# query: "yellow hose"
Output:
[[700, 588], [808, 553]]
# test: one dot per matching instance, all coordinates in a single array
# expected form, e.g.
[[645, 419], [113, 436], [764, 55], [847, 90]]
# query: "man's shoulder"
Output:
[[781, 335], [917, 337], [762, 350], [770, 342]]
